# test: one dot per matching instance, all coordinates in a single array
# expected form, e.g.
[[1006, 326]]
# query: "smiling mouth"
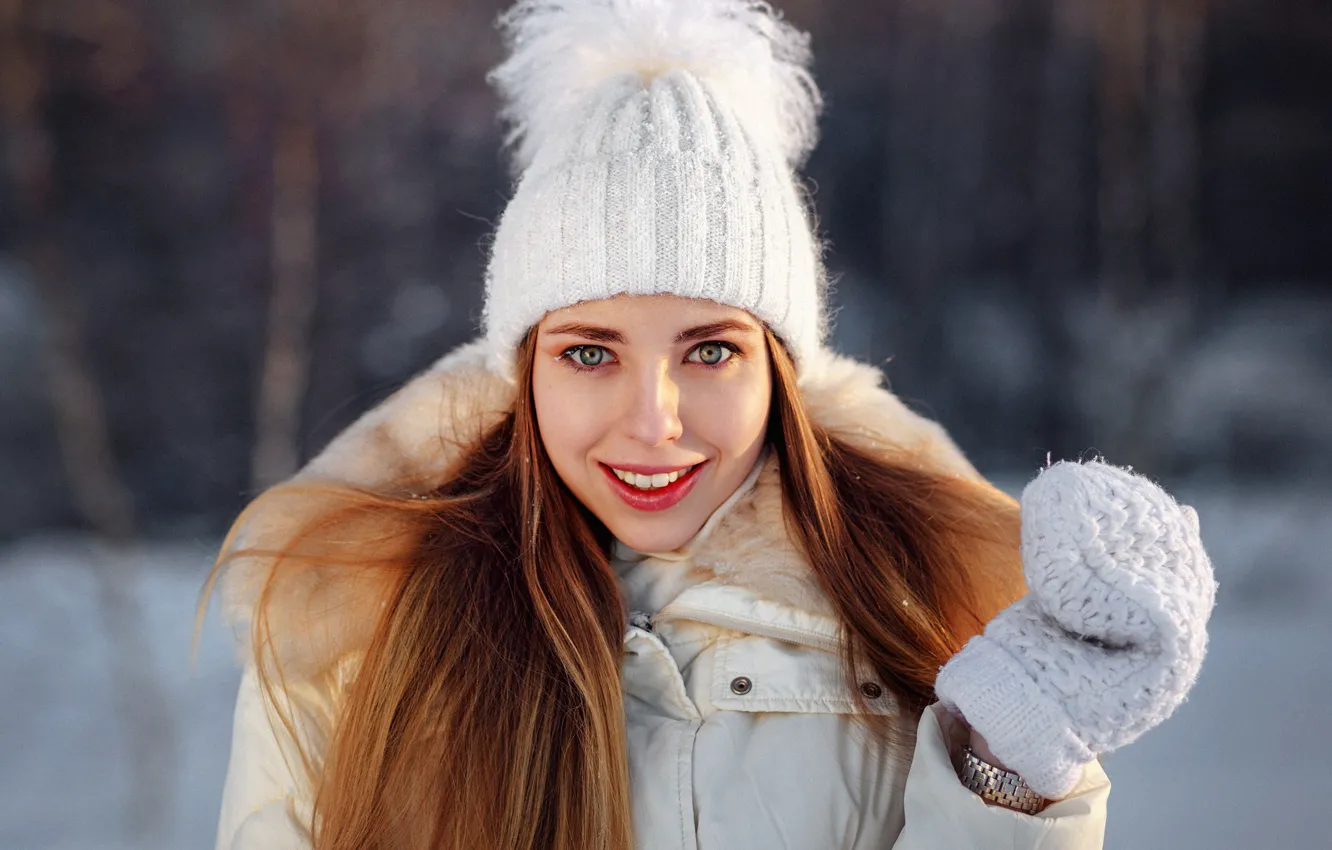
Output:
[[656, 481], [652, 492]]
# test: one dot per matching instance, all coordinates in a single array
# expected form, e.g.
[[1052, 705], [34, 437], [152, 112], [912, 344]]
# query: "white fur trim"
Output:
[[419, 433]]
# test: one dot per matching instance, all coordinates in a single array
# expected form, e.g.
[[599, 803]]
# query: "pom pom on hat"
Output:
[[656, 143], [563, 51]]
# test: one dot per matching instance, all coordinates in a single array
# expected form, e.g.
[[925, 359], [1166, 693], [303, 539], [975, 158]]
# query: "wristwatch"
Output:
[[997, 785]]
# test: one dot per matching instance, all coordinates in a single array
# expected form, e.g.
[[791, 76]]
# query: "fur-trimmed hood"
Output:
[[414, 439]]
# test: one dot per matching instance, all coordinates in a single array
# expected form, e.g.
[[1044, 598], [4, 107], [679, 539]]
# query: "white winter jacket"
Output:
[[737, 709]]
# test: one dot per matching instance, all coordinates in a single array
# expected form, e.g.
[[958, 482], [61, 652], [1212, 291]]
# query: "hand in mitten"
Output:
[[1108, 640]]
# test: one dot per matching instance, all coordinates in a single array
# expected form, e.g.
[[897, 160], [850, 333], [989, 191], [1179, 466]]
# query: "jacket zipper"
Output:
[[639, 620]]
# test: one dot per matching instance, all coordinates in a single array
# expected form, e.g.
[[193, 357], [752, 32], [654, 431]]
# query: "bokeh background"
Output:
[[1064, 227]]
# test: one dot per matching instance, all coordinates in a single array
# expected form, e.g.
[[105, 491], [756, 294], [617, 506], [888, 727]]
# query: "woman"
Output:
[[648, 566]]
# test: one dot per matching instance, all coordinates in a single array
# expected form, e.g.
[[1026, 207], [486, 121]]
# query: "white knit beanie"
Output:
[[656, 143]]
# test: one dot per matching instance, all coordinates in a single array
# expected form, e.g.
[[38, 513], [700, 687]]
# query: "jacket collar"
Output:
[[414, 439], [733, 607]]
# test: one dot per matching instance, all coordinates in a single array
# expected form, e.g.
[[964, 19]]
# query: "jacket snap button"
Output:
[[871, 690], [741, 685]]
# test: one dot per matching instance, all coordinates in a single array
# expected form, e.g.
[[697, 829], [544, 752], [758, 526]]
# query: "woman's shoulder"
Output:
[[317, 611]]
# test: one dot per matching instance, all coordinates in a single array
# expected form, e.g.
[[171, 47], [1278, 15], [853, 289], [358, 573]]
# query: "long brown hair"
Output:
[[486, 709]]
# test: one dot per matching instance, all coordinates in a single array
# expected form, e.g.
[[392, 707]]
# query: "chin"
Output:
[[664, 539]]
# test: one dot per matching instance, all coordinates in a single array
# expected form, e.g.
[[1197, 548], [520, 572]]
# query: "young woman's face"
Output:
[[653, 410]]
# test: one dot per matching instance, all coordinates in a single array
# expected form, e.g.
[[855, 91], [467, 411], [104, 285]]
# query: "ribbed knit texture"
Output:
[[659, 180], [1110, 637]]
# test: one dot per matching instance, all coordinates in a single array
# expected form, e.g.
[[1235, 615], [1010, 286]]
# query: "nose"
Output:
[[654, 410]]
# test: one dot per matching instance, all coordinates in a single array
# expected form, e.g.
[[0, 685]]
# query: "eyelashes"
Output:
[[576, 357], [723, 351]]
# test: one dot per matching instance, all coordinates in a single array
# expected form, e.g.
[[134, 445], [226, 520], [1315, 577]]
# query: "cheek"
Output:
[[565, 417], [734, 417]]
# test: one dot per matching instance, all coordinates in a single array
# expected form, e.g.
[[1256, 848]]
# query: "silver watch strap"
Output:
[[997, 785]]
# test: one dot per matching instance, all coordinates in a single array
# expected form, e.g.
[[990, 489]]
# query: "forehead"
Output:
[[647, 315]]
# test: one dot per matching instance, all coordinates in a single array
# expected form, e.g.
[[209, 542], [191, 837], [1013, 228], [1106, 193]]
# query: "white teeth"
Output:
[[650, 482]]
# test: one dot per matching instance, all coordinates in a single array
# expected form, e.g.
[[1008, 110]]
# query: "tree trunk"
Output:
[[1122, 27], [291, 309], [96, 488], [1178, 30], [1060, 249]]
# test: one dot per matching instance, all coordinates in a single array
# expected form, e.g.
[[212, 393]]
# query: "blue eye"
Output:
[[591, 356], [587, 356], [711, 353]]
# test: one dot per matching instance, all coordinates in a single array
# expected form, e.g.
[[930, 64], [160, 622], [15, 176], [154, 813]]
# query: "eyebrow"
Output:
[[597, 333], [713, 329], [592, 332]]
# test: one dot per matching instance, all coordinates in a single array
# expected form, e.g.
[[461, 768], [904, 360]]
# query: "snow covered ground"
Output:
[[66, 775], [1239, 766]]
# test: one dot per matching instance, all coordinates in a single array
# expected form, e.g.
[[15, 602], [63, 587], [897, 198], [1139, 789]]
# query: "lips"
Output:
[[650, 480], [657, 498]]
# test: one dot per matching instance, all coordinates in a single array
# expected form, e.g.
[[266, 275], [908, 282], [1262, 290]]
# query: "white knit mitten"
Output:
[[1110, 636]]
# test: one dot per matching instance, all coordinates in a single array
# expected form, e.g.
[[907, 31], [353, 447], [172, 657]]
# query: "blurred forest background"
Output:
[[226, 229]]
